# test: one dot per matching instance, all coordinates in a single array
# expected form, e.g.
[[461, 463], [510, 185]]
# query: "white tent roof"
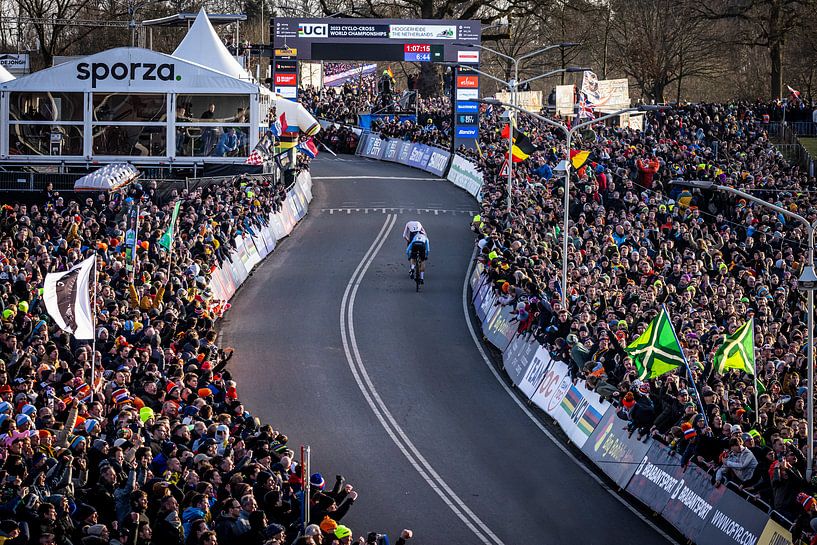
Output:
[[131, 70], [108, 178], [5, 75], [203, 46]]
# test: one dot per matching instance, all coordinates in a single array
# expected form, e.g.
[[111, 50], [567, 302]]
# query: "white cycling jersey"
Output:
[[412, 227]]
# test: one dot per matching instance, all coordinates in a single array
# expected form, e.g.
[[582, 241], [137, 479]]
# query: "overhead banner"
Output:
[[339, 39]]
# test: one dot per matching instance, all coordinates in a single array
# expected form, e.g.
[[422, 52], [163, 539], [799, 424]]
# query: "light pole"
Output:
[[806, 282], [512, 88], [568, 132], [514, 83]]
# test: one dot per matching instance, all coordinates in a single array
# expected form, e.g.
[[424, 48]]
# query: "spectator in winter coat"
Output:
[[739, 463]]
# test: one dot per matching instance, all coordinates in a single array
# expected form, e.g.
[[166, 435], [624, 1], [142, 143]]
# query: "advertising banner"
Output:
[[486, 300], [417, 155], [610, 448], [733, 521], [362, 143], [353, 39], [403, 152], [775, 534], [437, 161], [540, 364], [518, 356], [464, 174], [687, 499], [390, 151], [498, 328]]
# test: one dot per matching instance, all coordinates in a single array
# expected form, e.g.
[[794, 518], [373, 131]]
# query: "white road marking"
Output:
[[466, 311], [409, 178], [413, 211], [378, 407]]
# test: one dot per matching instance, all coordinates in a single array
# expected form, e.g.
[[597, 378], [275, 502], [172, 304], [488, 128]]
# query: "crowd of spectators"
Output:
[[158, 448], [637, 243]]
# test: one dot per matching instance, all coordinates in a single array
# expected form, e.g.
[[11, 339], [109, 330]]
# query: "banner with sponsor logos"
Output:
[[251, 249], [498, 328], [687, 499], [648, 471], [535, 373], [775, 534], [518, 356], [437, 161], [464, 174], [579, 412], [612, 449]]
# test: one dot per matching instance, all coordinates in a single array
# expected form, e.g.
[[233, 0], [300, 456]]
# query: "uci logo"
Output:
[[148, 71], [313, 30]]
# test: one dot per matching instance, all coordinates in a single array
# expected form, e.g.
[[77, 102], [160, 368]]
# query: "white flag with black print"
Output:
[[67, 299]]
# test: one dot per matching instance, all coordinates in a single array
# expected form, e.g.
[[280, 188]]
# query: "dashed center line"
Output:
[[396, 210]]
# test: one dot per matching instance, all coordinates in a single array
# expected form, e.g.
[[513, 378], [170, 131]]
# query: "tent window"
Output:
[[38, 140], [212, 141], [213, 109], [126, 107], [131, 140], [27, 106]]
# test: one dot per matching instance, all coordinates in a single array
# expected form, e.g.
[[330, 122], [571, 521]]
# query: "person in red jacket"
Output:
[[647, 170]]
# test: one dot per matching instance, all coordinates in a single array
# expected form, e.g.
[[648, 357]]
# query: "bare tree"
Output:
[[659, 43], [764, 23]]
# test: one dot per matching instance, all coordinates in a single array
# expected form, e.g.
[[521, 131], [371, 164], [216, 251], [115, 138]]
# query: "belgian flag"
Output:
[[579, 158], [522, 146]]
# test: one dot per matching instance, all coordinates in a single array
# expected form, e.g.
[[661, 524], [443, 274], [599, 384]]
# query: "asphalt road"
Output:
[[293, 372]]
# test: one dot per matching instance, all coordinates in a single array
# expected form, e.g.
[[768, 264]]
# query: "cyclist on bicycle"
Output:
[[412, 228], [417, 252]]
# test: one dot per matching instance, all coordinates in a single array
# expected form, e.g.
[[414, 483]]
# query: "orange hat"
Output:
[[328, 525], [138, 403], [628, 401], [205, 392]]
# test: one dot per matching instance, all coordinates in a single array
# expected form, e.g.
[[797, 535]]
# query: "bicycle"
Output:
[[419, 266]]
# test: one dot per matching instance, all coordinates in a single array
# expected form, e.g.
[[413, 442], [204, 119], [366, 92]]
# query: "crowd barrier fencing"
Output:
[[648, 470], [457, 169], [252, 248]]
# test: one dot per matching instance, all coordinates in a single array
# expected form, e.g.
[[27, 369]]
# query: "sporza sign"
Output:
[[148, 71]]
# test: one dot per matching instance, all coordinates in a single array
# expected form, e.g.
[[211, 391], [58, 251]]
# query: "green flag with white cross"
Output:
[[737, 350], [656, 351]]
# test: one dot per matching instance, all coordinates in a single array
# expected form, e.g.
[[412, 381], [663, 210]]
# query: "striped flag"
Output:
[[308, 148], [280, 126]]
